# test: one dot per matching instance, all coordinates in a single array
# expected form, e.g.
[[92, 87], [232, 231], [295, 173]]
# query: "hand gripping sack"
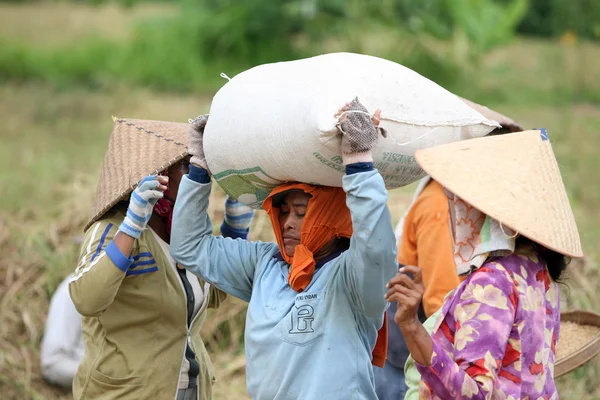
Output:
[[275, 123]]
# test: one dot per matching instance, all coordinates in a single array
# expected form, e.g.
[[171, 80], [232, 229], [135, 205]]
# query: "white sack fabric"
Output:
[[275, 123]]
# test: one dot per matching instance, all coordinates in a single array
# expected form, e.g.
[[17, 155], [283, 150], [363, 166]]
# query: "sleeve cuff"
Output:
[[439, 361], [198, 174], [358, 167], [118, 258], [228, 231]]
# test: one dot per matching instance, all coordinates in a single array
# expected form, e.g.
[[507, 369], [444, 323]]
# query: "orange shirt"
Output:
[[426, 243]]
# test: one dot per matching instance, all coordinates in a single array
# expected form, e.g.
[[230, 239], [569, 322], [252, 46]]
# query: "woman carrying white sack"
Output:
[[314, 311]]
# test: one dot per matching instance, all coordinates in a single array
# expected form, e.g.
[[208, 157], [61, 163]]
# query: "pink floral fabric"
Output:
[[497, 333]]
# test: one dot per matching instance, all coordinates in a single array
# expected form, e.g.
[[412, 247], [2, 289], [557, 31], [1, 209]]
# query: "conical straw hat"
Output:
[[136, 148], [503, 120], [513, 178]]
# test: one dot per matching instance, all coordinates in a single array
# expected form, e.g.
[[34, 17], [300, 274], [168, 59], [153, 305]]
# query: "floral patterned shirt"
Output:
[[497, 333]]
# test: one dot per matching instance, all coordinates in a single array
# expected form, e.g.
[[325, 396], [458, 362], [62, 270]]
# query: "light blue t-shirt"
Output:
[[311, 345]]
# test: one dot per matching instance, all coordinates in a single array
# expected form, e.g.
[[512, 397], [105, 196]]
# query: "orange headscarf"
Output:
[[327, 217]]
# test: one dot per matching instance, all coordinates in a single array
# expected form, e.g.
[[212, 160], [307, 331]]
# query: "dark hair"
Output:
[[500, 131], [556, 262]]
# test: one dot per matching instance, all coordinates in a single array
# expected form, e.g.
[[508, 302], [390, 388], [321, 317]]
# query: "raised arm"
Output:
[[483, 318], [229, 264], [106, 253], [371, 260]]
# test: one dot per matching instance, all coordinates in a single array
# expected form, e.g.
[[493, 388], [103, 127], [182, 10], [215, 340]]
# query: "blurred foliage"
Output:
[[189, 50], [481, 20], [267, 30], [444, 40], [556, 17], [475, 22]]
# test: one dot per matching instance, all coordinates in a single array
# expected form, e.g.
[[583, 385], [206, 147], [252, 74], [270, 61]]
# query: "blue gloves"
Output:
[[141, 205], [238, 218]]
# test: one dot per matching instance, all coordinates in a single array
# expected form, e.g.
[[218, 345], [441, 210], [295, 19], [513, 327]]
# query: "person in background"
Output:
[[424, 239], [316, 296], [62, 345], [142, 312], [512, 231]]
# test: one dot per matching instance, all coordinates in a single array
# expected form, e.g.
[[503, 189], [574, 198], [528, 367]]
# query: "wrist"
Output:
[[238, 215], [199, 174], [234, 233], [356, 168], [130, 229], [409, 327], [199, 162], [132, 226], [353, 158]]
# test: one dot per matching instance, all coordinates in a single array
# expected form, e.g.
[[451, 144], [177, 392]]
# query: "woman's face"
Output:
[[291, 217], [176, 172]]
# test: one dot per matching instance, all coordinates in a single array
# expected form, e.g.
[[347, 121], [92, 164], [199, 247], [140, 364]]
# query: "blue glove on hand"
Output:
[[238, 218], [141, 204]]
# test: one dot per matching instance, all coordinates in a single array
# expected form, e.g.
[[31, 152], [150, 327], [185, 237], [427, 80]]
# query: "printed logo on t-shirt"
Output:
[[302, 319], [303, 323]]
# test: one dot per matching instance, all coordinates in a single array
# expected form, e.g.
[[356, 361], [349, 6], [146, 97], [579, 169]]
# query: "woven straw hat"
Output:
[[136, 148], [503, 120], [513, 178]]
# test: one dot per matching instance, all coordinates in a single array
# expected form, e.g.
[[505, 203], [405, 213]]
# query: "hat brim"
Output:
[[513, 178], [136, 148]]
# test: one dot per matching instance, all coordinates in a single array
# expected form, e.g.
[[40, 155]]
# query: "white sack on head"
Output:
[[275, 123]]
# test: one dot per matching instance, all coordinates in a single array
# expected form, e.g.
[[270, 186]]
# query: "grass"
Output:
[[159, 47], [51, 24], [54, 137]]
